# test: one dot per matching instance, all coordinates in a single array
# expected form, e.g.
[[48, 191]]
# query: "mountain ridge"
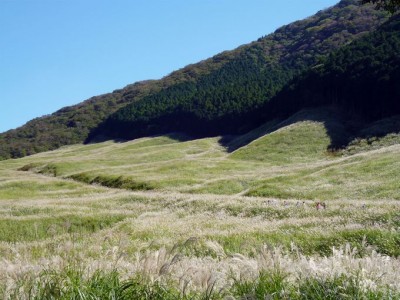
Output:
[[73, 124]]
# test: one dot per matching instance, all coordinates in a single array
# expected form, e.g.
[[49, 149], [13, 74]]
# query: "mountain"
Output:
[[215, 96], [223, 101]]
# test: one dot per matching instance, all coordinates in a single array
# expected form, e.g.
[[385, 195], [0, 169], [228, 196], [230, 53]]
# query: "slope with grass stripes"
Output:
[[171, 217], [292, 158]]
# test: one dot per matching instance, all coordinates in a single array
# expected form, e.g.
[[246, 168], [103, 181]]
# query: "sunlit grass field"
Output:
[[173, 218]]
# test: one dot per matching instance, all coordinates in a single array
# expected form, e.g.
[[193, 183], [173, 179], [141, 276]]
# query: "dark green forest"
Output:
[[361, 78], [223, 94]]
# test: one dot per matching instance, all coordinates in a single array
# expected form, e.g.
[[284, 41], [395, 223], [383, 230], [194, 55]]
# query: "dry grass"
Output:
[[195, 229], [197, 240]]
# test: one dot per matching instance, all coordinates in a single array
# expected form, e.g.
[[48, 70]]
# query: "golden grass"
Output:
[[196, 226]]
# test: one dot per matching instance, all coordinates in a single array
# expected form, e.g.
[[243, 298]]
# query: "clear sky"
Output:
[[55, 53]]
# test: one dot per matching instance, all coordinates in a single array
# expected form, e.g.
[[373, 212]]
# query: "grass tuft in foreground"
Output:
[[72, 284]]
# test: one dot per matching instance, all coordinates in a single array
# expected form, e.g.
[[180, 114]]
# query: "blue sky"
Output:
[[55, 53]]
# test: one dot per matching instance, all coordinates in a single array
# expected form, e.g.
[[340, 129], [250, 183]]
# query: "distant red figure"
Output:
[[320, 205]]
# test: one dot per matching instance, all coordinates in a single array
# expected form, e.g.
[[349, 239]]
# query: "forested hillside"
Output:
[[361, 78], [222, 101], [71, 125], [210, 97]]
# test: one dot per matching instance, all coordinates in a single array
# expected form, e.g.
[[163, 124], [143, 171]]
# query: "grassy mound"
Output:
[[304, 137]]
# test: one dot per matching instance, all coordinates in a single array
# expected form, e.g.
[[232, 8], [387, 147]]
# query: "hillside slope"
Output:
[[291, 161], [223, 101], [361, 78], [306, 136], [179, 211], [216, 90]]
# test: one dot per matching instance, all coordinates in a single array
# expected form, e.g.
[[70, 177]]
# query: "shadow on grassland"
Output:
[[338, 127]]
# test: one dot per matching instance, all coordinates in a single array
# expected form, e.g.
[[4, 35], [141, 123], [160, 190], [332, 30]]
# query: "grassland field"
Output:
[[169, 218]]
